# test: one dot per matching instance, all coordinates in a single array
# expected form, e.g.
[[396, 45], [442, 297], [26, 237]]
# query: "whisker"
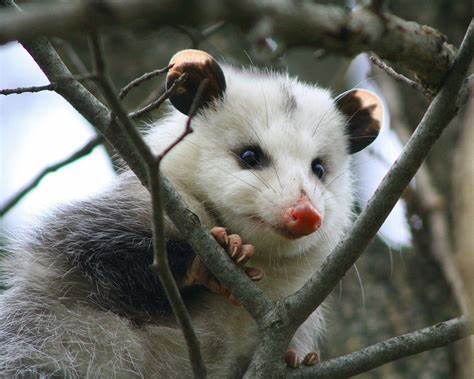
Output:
[[361, 284]]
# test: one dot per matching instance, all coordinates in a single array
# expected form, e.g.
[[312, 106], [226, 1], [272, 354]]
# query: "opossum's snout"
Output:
[[301, 219]]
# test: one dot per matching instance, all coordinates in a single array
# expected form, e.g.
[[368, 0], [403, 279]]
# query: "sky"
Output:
[[37, 130]]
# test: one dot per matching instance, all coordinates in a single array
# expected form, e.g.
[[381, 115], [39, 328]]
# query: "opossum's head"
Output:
[[270, 155]]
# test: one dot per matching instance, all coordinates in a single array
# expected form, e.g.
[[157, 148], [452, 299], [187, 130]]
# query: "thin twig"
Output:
[[188, 129], [83, 151], [160, 266], [210, 30], [142, 149], [46, 87], [158, 102], [137, 81], [388, 351], [32, 89], [401, 78], [71, 54], [198, 36]]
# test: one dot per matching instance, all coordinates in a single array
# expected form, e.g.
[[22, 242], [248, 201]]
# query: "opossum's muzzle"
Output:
[[301, 219]]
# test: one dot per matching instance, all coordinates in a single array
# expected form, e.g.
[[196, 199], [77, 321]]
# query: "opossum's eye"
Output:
[[318, 168], [251, 157]]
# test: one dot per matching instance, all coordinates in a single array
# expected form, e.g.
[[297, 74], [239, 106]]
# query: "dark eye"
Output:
[[318, 168], [251, 156]]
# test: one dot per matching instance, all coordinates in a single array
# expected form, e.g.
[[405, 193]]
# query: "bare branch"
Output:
[[46, 87], [71, 54], [197, 36], [83, 151], [348, 32], [436, 118], [135, 138], [32, 89], [387, 351], [210, 30], [401, 78], [136, 82], [160, 265], [158, 102], [192, 113]]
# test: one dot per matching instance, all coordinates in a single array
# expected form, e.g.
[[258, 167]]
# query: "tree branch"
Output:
[[137, 81], [160, 264], [192, 112], [157, 103], [83, 151], [348, 32], [32, 89], [46, 87], [401, 78], [387, 351], [436, 118]]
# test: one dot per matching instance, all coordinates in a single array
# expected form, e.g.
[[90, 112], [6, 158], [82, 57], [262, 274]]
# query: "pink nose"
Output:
[[302, 218]]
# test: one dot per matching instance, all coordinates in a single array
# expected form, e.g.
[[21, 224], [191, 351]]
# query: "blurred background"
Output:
[[406, 279]]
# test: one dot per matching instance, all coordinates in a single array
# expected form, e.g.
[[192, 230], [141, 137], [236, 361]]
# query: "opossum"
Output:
[[267, 171]]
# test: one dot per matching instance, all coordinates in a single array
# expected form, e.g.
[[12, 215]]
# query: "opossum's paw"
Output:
[[292, 360], [240, 253]]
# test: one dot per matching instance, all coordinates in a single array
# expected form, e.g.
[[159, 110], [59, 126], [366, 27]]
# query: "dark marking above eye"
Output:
[[251, 157], [289, 100]]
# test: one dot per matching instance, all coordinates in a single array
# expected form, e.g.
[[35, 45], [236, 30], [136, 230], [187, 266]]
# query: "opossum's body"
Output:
[[83, 302]]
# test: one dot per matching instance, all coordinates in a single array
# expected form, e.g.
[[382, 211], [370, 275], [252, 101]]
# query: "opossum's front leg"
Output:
[[240, 253]]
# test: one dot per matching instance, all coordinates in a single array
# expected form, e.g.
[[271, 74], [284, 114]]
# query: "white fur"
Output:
[[69, 335]]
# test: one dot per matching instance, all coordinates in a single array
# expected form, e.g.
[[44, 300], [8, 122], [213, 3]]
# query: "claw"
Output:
[[291, 359], [254, 273], [311, 359], [235, 246], [245, 254], [240, 254], [220, 235]]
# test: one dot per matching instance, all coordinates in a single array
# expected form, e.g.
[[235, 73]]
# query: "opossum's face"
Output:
[[271, 162]]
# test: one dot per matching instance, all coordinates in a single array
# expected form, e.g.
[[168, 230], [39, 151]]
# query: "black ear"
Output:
[[364, 111], [197, 65]]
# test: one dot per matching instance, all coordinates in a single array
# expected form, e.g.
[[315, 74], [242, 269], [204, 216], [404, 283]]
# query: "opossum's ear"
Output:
[[197, 65], [364, 112]]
